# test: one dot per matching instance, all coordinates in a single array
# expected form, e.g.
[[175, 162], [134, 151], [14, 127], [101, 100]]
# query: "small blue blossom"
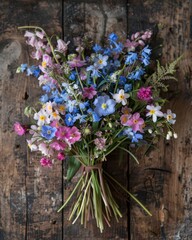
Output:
[[46, 88], [104, 106], [137, 74], [80, 117], [95, 70], [112, 37], [69, 119], [72, 76], [122, 80], [23, 67], [118, 48], [134, 136], [128, 87], [36, 72], [44, 98], [97, 48], [131, 58], [48, 132], [101, 61], [71, 105], [95, 116]]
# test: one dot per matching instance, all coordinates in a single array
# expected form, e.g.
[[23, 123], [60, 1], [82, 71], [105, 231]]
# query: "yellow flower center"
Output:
[[152, 111], [44, 64], [48, 131], [124, 119], [61, 108], [135, 121], [54, 114], [169, 117], [42, 117], [100, 61], [122, 96], [104, 105]]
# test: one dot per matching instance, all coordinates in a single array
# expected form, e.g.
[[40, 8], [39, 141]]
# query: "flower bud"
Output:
[[175, 135]]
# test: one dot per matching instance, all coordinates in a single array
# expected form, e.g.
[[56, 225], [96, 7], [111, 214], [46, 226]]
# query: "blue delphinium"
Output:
[[131, 58], [137, 74], [112, 37], [97, 48], [146, 52], [128, 87], [104, 106], [23, 67], [48, 132]]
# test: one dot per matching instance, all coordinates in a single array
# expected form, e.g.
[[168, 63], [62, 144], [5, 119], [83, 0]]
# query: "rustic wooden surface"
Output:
[[30, 195]]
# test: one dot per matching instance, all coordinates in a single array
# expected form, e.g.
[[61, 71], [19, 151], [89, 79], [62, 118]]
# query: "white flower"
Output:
[[44, 150], [121, 97], [32, 146], [170, 116], [168, 137], [48, 107], [154, 111], [54, 116], [42, 117]]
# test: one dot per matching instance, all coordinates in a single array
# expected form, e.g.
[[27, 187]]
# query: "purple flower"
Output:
[[76, 62], [144, 94], [104, 106]]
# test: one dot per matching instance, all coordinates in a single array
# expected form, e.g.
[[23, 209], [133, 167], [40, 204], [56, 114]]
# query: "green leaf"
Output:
[[73, 167]]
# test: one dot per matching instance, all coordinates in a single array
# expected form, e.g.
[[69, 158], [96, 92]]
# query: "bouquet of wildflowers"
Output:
[[95, 100]]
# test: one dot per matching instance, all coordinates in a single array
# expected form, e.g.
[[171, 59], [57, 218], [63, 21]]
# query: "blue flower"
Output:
[[112, 37], [107, 51], [134, 136], [97, 48], [48, 132], [72, 76], [131, 58], [122, 80], [71, 105], [95, 70], [104, 106], [95, 116], [136, 75], [23, 67], [44, 98], [128, 87], [146, 52], [30, 70], [101, 61], [46, 88], [80, 117], [118, 48], [36, 72], [69, 119]]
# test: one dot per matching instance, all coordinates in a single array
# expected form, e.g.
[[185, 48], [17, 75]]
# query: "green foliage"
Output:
[[156, 80], [73, 167]]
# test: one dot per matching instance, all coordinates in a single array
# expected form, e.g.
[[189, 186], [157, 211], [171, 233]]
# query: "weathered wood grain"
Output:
[[96, 19], [29, 195], [164, 177]]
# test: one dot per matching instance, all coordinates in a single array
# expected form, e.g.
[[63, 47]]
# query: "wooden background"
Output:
[[29, 194]]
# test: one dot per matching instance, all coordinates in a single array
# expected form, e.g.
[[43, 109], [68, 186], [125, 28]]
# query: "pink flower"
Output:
[[89, 92], [45, 162], [124, 119], [144, 94], [55, 124], [75, 135], [58, 146], [100, 143], [32, 41], [60, 156], [19, 129], [76, 62], [63, 133], [136, 122], [62, 46]]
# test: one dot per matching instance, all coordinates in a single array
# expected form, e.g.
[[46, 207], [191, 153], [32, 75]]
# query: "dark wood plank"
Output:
[[96, 19], [29, 195], [164, 177]]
